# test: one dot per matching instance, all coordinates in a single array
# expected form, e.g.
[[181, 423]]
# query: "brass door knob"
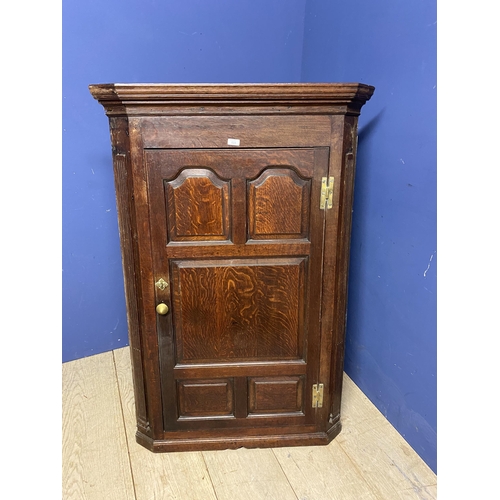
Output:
[[162, 309]]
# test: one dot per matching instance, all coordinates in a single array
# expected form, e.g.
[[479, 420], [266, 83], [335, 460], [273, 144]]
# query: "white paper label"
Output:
[[233, 142]]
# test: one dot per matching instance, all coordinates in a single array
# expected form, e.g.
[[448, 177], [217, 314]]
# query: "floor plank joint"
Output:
[[124, 426]]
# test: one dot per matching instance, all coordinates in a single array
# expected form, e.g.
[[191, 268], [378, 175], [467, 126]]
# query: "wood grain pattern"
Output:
[[198, 99], [209, 170], [278, 205], [259, 249], [228, 310], [388, 464], [122, 169], [179, 132], [207, 398], [124, 92], [247, 475], [240, 369], [275, 394], [93, 432], [346, 159], [386, 447], [198, 206], [323, 473], [226, 163], [141, 233]]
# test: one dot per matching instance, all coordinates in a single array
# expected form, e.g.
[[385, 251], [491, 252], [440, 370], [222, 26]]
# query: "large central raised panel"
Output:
[[238, 310]]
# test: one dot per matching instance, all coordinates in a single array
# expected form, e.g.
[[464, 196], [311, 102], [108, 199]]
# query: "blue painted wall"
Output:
[[143, 41], [391, 332]]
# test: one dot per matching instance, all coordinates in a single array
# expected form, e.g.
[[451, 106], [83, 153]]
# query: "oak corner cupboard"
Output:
[[234, 207]]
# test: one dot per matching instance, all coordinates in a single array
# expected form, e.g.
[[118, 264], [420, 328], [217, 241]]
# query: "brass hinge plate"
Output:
[[317, 396], [326, 199]]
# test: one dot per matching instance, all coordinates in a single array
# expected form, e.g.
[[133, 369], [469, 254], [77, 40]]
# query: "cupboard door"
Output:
[[237, 250]]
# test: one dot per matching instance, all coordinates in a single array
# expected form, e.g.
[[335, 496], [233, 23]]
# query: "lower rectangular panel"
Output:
[[205, 398], [230, 403], [275, 395]]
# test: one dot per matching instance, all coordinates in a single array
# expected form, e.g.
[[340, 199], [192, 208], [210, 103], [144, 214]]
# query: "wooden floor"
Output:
[[102, 461]]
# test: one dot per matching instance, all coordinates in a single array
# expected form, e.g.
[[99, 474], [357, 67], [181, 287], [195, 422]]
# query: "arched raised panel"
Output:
[[278, 205], [197, 204]]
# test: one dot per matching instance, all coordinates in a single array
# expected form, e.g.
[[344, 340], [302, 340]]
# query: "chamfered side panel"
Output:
[[244, 309]]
